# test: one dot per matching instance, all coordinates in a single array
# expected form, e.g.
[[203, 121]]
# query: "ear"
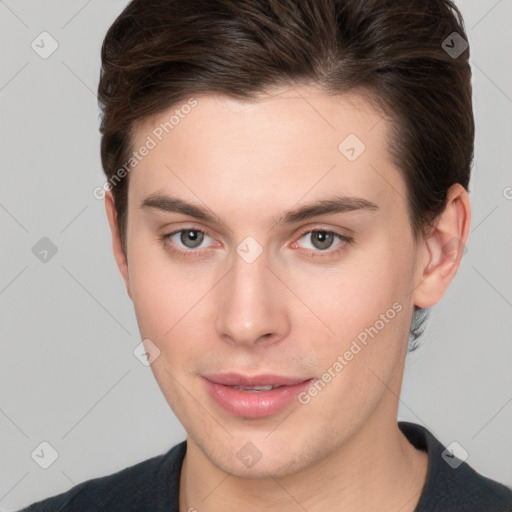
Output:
[[119, 254], [442, 249]]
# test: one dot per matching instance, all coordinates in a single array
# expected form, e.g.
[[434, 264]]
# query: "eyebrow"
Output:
[[328, 206]]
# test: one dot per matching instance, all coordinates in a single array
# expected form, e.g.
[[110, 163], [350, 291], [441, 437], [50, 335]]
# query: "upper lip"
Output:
[[235, 379]]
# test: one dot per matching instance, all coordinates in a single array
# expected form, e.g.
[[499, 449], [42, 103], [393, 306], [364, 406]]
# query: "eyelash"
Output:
[[191, 253]]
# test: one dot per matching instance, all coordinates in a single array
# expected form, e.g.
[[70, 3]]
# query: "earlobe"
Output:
[[119, 254], [443, 249]]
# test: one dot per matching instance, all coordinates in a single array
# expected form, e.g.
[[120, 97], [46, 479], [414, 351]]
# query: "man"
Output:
[[287, 193]]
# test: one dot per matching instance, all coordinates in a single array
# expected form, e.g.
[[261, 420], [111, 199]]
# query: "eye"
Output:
[[190, 238], [321, 240], [184, 241]]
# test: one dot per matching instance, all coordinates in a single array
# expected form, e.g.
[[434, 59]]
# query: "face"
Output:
[[300, 267]]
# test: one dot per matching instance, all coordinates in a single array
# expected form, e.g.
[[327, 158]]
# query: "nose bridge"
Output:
[[250, 309]]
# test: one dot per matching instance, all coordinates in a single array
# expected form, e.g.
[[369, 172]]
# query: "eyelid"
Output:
[[345, 239], [322, 227], [188, 228]]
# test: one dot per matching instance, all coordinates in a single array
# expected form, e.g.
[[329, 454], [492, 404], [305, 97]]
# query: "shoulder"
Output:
[[148, 485], [453, 485]]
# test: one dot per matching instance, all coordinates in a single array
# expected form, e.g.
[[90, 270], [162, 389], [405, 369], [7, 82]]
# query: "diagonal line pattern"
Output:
[[401, 401], [198, 402], [281, 422], [503, 407], [169, 169], [79, 78], [76, 14], [13, 13], [492, 211], [14, 218], [5, 495], [97, 402], [308, 191], [313, 108], [405, 200], [215, 488], [96, 300], [13, 279], [495, 289], [17, 426], [14, 76], [97, 507], [302, 301], [287, 492], [68, 477], [378, 121], [74, 218], [486, 14], [492, 81]]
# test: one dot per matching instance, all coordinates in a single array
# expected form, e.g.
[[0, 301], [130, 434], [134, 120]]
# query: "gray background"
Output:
[[67, 328]]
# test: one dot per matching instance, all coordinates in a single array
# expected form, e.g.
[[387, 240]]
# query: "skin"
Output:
[[285, 313]]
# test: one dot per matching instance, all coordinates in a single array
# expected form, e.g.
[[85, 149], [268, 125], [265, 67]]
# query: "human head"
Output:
[[250, 141], [390, 51]]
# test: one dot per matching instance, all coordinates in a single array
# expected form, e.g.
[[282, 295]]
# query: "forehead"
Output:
[[306, 112], [285, 145]]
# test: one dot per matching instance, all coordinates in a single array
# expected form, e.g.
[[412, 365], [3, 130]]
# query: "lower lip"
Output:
[[254, 404]]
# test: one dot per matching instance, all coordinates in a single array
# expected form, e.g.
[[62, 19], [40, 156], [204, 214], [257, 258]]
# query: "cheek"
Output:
[[157, 290], [171, 301], [350, 296], [363, 301], [364, 304], [164, 301]]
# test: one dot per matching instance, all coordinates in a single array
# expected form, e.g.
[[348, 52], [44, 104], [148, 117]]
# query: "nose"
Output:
[[252, 305]]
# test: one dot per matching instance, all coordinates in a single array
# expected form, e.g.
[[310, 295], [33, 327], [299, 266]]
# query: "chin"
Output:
[[260, 471], [251, 463]]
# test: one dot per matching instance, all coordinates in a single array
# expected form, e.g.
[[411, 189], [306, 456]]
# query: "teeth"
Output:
[[254, 388]]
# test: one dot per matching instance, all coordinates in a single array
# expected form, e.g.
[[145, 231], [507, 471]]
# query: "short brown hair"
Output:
[[160, 52]]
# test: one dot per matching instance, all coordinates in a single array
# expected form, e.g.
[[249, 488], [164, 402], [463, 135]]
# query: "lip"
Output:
[[236, 379], [254, 404]]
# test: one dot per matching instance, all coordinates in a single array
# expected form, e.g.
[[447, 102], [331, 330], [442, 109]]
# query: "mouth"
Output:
[[255, 389], [254, 396]]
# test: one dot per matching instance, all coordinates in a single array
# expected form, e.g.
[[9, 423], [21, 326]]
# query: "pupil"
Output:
[[193, 236], [324, 239]]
